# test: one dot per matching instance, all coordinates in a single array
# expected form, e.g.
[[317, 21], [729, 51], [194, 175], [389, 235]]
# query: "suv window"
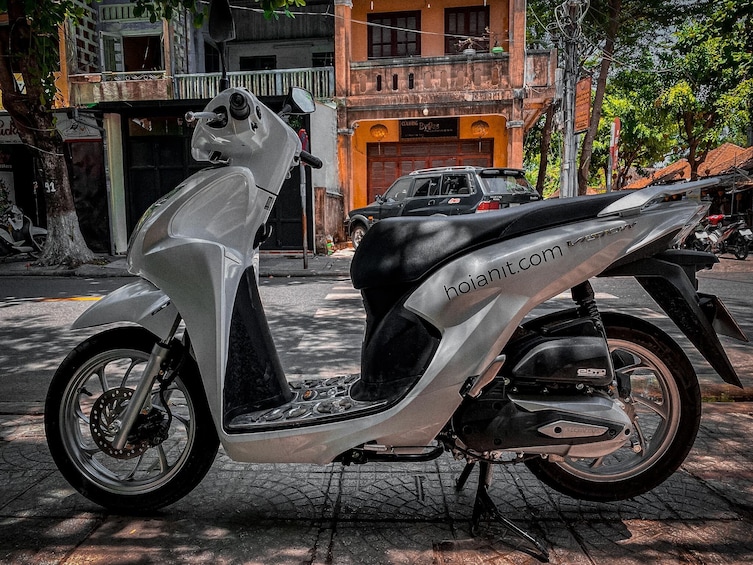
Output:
[[454, 185], [399, 190], [427, 186], [507, 184]]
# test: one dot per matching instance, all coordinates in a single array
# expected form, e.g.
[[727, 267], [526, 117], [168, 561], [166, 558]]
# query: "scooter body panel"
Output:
[[476, 310], [139, 302]]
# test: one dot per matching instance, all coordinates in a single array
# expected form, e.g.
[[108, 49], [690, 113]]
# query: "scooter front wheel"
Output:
[[39, 241], [167, 454], [665, 406], [741, 250]]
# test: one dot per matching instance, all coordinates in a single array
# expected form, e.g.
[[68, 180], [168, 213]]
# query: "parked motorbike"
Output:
[[598, 405], [728, 238], [698, 239], [746, 233], [18, 234], [713, 235]]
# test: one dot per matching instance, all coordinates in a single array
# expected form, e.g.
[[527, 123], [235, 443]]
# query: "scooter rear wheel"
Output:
[[172, 447], [665, 405]]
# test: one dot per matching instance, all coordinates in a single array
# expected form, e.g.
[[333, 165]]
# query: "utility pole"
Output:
[[569, 17]]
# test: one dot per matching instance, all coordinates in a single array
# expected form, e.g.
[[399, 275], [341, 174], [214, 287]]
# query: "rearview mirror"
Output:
[[221, 23], [299, 101]]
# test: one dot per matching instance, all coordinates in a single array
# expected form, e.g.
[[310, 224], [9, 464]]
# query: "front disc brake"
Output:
[[105, 421]]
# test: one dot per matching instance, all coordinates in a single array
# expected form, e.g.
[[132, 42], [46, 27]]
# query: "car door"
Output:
[[458, 194], [425, 196], [392, 202]]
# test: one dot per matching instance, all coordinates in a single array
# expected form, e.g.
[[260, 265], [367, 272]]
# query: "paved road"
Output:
[[371, 514]]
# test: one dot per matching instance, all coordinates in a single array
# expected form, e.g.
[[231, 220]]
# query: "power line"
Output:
[[360, 22]]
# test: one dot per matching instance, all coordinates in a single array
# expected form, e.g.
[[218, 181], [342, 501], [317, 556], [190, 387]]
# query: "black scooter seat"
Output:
[[405, 249]]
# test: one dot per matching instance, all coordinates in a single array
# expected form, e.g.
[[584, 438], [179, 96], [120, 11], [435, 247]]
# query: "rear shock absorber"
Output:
[[583, 296]]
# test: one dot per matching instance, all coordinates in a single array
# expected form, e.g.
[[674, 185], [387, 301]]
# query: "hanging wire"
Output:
[[327, 14]]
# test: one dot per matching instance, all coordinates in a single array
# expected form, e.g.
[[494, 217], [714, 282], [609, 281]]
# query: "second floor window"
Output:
[[258, 63], [132, 53], [391, 35], [463, 23], [326, 59], [211, 59]]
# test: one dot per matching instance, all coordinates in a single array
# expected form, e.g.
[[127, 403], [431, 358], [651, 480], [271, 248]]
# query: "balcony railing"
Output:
[[157, 85], [319, 81], [481, 71], [118, 13]]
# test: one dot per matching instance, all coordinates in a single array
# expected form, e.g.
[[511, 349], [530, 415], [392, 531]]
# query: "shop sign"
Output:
[[429, 127], [70, 130], [77, 129], [8, 131], [583, 105]]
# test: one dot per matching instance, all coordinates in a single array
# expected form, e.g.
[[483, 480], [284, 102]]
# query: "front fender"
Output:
[[139, 302], [359, 219]]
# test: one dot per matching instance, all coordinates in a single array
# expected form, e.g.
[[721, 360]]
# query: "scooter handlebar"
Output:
[[211, 116], [311, 160]]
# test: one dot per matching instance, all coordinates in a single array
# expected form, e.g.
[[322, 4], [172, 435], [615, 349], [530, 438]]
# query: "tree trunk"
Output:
[[65, 243], [546, 139], [31, 112], [584, 170]]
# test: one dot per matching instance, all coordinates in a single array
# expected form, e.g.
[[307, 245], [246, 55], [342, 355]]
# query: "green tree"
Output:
[[542, 157], [646, 132], [710, 94], [617, 29], [29, 49], [612, 32]]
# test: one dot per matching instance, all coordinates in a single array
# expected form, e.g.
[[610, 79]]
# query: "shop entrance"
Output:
[[158, 158]]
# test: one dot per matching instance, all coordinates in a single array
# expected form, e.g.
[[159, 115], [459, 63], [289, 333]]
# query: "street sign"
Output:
[[582, 104]]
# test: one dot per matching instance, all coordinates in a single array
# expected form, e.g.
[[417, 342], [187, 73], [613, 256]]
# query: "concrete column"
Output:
[[517, 39], [116, 199], [343, 11]]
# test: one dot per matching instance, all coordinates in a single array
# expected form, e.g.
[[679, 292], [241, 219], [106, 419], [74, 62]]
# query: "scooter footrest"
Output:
[[315, 401]]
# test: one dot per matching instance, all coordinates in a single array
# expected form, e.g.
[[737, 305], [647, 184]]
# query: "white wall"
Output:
[[323, 140]]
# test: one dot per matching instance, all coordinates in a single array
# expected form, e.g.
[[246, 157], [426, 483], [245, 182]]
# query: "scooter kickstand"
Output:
[[484, 505], [460, 483]]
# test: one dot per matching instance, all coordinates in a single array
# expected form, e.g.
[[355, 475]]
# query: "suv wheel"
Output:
[[357, 233]]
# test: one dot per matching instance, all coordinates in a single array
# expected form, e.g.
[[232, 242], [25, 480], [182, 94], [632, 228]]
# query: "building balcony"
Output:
[[478, 77], [120, 87], [131, 87]]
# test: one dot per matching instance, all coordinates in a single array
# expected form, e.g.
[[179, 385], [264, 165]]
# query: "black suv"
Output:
[[445, 191]]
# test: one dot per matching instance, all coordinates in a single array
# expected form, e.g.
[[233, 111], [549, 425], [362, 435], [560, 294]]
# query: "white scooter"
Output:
[[600, 406]]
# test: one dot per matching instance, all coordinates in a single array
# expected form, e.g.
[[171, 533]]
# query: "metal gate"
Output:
[[158, 158], [388, 161]]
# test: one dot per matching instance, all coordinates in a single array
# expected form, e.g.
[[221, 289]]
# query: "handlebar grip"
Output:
[[310, 160]]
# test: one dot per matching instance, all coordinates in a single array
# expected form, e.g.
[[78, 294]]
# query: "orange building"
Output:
[[427, 83]]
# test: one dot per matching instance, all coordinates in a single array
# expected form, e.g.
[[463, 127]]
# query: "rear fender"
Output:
[[669, 278], [139, 302]]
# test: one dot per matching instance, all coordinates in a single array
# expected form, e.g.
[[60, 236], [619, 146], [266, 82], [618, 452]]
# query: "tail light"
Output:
[[488, 205]]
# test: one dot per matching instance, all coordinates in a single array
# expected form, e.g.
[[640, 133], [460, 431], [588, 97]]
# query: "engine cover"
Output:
[[575, 359], [578, 426]]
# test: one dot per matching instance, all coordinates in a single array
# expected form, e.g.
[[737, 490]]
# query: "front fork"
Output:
[[160, 362]]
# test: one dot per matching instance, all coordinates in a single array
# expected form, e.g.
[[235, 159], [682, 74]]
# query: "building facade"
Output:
[[400, 85], [426, 83], [139, 78]]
